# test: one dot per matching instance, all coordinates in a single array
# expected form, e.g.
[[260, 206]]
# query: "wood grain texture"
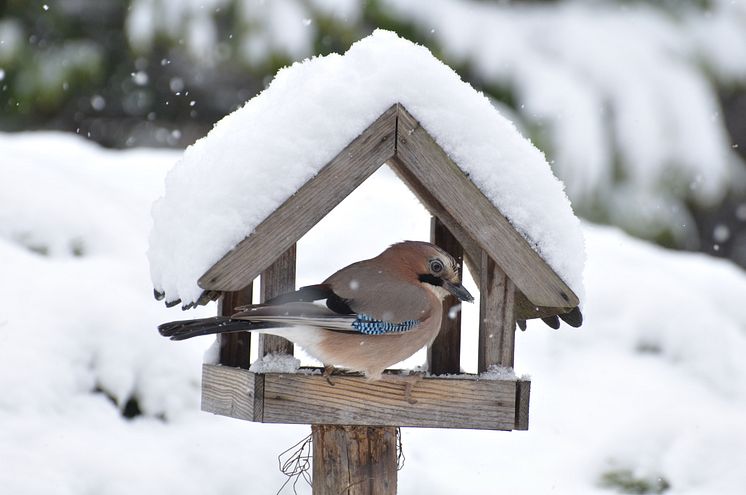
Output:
[[496, 317], [317, 197], [354, 460], [278, 279], [435, 171], [436, 209], [382, 149], [309, 399], [232, 392], [523, 394], [235, 348], [444, 355], [525, 309]]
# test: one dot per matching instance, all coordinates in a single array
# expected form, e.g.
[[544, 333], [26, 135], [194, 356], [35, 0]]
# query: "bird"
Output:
[[363, 318]]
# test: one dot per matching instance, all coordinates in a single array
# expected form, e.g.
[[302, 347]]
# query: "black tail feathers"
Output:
[[186, 329]]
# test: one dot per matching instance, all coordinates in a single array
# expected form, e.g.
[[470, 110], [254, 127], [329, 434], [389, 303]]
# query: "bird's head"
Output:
[[433, 267]]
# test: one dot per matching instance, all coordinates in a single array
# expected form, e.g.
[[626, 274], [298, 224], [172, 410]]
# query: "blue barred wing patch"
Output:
[[370, 326]]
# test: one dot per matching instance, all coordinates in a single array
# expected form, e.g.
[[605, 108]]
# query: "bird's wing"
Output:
[[372, 290], [310, 293], [315, 315]]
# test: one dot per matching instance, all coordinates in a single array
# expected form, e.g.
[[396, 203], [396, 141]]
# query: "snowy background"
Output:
[[648, 393], [639, 107]]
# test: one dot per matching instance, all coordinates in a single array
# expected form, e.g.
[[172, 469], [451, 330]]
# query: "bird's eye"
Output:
[[436, 266]]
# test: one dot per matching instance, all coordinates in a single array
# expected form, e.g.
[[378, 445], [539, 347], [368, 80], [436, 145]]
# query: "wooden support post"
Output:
[[444, 355], [354, 460], [278, 279], [496, 316], [235, 347]]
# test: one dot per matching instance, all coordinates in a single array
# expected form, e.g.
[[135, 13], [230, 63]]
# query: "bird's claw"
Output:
[[328, 370], [408, 393]]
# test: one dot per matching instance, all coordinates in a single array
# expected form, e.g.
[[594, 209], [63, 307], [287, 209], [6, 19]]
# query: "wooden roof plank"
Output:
[[312, 202], [525, 309], [422, 157]]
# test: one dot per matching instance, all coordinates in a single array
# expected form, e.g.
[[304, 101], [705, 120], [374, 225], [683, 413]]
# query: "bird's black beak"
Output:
[[458, 291]]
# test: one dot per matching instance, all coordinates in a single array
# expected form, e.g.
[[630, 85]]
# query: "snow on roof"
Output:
[[257, 157]]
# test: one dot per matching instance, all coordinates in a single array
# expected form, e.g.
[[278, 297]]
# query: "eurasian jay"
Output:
[[378, 312]]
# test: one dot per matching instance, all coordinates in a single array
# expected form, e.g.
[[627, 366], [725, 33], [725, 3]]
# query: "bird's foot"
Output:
[[328, 371]]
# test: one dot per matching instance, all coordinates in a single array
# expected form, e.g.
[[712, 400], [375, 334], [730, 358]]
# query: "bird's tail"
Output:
[[186, 329]]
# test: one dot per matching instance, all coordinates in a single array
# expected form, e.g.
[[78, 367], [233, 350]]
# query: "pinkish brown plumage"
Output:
[[379, 311]]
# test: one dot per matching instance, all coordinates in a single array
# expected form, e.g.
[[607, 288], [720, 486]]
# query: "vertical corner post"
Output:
[[278, 279], [444, 355], [496, 316], [235, 348]]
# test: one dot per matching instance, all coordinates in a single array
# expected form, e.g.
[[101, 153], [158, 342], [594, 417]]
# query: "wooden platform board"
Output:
[[302, 398]]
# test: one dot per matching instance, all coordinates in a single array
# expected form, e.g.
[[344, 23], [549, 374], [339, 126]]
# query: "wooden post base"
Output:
[[354, 460]]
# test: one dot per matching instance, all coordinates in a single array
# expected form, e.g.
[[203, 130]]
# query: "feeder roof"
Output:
[[256, 158]]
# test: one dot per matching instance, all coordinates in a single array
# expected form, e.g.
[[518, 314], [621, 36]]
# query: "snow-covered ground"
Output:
[[652, 386]]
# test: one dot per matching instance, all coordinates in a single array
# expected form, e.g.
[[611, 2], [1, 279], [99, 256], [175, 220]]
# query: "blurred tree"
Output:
[[630, 100]]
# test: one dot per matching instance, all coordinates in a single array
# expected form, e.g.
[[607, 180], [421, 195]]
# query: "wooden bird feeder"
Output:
[[353, 422]]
